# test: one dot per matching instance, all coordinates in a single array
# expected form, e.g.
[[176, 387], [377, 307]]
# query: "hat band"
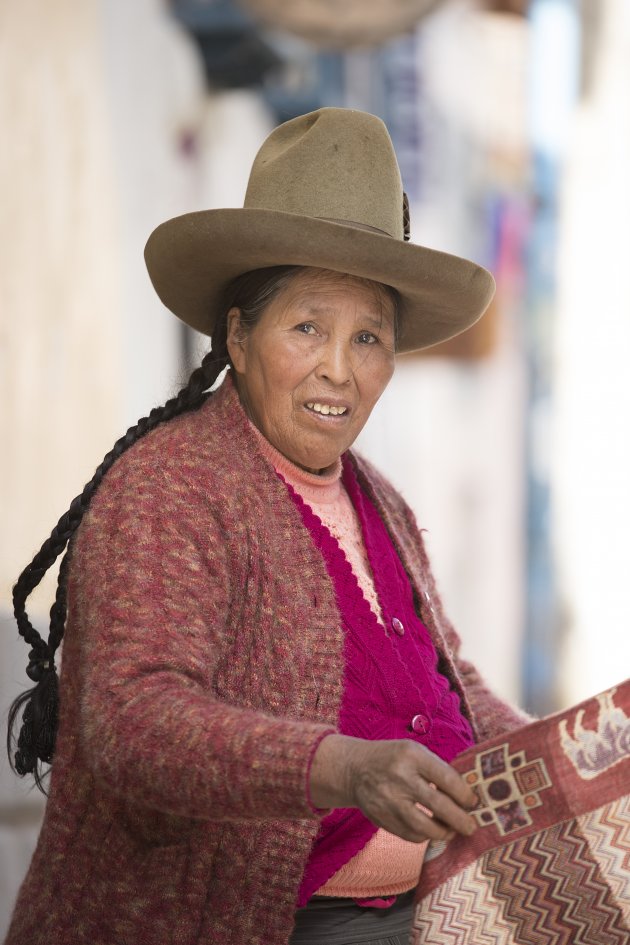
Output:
[[358, 226], [375, 229]]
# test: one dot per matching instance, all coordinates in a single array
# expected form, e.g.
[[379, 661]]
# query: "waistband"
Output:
[[337, 921]]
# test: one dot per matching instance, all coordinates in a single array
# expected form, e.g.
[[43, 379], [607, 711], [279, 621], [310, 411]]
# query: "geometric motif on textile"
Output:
[[508, 788], [550, 862]]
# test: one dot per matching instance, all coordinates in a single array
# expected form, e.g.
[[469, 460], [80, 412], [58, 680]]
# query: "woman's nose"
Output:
[[335, 363]]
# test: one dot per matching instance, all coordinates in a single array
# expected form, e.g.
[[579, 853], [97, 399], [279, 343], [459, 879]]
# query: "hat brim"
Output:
[[192, 258]]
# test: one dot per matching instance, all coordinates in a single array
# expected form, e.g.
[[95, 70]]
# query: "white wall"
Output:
[[96, 97], [592, 354]]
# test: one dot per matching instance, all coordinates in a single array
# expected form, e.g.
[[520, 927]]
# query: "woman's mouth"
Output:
[[326, 409]]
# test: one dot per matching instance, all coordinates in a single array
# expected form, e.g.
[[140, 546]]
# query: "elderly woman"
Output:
[[260, 692]]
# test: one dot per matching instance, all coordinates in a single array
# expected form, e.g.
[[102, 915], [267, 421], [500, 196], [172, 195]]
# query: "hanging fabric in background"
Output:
[[387, 82], [402, 102], [551, 858]]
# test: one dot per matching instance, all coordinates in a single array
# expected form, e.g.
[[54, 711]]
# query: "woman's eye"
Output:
[[367, 338], [306, 327]]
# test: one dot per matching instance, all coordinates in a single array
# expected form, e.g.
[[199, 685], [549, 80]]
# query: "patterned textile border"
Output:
[[550, 864]]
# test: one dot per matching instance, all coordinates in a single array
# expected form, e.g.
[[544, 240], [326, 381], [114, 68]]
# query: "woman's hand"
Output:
[[387, 780]]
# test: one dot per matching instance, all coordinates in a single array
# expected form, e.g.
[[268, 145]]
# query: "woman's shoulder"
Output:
[[195, 457], [379, 488], [203, 441]]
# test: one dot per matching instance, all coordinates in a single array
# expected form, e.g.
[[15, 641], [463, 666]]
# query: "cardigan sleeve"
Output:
[[149, 594]]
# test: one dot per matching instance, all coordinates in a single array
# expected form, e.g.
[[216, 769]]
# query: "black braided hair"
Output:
[[35, 744]]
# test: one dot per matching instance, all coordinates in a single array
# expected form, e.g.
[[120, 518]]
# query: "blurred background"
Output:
[[512, 128]]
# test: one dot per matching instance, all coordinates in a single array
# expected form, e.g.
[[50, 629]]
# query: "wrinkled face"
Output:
[[312, 368]]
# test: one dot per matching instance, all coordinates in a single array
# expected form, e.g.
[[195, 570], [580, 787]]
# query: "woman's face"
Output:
[[311, 369]]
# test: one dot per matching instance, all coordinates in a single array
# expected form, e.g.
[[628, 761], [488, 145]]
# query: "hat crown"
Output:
[[335, 164]]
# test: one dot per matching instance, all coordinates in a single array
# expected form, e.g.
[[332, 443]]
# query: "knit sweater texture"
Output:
[[202, 665]]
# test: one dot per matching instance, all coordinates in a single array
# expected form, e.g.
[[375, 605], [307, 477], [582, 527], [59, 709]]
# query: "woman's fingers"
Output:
[[445, 809], [410, 822], [417, 825], [445, 778]]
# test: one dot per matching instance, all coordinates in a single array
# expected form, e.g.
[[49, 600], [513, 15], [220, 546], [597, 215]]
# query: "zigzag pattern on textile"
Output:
[[608, 834], [553, 887], [545, 889], [462, 910]]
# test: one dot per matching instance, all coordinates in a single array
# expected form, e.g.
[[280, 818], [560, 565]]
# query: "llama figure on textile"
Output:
[[592, 752]]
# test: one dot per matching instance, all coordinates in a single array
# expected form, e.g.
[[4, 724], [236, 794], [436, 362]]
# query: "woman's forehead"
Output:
[[320, 291]]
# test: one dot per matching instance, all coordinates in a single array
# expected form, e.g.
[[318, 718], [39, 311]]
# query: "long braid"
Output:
[[39, 705]]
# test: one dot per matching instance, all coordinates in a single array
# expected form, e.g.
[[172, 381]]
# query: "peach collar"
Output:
[[325, 487]]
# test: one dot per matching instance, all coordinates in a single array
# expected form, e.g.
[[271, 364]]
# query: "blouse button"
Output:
[[420, 724], [398, 626]]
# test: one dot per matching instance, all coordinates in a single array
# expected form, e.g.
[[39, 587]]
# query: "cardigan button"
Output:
[[398, 626], [420, 724]]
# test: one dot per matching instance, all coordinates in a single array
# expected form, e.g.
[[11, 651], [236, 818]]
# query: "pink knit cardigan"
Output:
[[202, 666]]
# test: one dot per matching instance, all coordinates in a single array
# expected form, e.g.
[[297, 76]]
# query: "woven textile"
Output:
[[551, 860]]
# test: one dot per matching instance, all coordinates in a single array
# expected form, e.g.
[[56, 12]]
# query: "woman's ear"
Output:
[[236, 340]]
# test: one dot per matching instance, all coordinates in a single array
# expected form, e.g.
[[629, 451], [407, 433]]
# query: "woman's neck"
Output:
[[278, 459]]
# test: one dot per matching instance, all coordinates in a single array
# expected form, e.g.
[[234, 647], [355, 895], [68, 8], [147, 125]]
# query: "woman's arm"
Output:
[[151, 587]]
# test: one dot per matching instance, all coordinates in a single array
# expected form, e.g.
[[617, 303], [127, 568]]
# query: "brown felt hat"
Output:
[[324, 191]]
